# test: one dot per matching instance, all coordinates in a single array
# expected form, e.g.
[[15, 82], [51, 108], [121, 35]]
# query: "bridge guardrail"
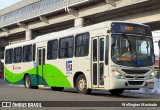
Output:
[[25, 14]]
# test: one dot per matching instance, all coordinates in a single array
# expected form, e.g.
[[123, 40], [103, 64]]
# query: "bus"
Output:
[[112, 55]]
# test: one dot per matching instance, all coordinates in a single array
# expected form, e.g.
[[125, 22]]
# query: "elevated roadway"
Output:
[[30, 18]]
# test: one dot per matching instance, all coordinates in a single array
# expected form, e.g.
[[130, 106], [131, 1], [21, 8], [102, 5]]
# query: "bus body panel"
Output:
[[60, 72]]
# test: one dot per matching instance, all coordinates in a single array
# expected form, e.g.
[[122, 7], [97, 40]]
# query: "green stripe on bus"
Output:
[[52, 76]]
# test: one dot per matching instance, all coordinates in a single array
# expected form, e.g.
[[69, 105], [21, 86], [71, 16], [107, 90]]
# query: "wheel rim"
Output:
[[82, 84], [28, 82]]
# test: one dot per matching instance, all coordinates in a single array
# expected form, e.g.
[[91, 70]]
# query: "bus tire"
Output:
[[27, 81], [81, 85], [57, 88], [116, 91]]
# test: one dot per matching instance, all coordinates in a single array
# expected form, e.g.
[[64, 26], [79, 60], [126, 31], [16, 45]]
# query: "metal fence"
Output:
[[36, 9]]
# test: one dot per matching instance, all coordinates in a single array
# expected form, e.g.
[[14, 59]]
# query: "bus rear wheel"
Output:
[[81, 85], [57, 88], [116, 91], [27, 81]]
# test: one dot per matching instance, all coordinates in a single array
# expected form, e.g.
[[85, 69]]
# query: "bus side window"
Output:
[[101, 49], [44, 53], [107, 50], [70, 45], [39, 57], [82, 45], [34, 51], [9, 56], [27, 53], [95, 50], [52, 49], [17, 55], [66, 46]]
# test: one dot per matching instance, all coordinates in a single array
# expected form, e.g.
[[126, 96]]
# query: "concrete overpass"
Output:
[[30, 18]]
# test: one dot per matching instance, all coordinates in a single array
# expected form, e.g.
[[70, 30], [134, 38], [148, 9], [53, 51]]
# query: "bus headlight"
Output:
[[116, 74], [151, 76]]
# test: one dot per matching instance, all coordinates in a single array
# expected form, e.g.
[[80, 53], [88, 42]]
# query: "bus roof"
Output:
[[64, 33], [70, 32], [20, 44], [60, 34], [77, 30]]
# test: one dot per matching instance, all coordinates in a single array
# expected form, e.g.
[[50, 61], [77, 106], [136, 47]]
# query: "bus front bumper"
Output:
[[130, 84]]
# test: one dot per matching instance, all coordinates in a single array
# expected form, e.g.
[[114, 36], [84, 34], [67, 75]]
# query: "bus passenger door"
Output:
[[98, 61], [40, 67]]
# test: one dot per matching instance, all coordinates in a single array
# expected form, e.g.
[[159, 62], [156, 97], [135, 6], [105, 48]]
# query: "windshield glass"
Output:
[[130, 50]]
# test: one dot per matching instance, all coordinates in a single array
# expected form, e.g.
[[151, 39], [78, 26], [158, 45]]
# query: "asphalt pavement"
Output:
[[9, 92]]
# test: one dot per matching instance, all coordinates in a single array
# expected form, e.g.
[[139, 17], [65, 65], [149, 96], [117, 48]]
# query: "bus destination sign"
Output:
[[128, 28]]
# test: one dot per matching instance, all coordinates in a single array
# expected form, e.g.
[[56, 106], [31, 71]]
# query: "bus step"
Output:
[[40, 85]]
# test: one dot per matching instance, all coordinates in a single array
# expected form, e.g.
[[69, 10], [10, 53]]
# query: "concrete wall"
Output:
[[16, 6], [17, 38]]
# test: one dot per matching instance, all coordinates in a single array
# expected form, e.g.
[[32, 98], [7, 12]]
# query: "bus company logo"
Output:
[[6, 104], [68, 65], [16, 68]]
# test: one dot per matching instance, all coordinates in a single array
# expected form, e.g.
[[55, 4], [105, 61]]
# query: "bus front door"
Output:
[[40, 67], [98, 62]]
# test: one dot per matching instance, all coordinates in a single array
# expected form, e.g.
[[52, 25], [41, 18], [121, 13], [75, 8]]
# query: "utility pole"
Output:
[[159, 59]]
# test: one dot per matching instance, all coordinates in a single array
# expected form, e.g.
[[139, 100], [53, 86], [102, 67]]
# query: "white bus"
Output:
[[112, 56]]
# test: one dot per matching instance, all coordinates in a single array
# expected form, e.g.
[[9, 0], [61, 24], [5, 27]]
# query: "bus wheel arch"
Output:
[[27, 80], [75, 77], [80, 82]]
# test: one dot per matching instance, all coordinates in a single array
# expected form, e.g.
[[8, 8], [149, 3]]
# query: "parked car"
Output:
[[1, 74]]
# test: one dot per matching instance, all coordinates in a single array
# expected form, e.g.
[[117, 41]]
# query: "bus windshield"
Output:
[[130, 50]]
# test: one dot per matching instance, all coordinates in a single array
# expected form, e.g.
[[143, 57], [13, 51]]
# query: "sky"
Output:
[[6, 3]]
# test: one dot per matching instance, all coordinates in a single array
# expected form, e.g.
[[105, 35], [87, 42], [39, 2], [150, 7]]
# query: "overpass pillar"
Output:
[[28, 34], [78, 22]]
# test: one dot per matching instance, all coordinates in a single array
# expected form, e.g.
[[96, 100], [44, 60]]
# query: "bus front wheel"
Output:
[[116, 91], [27, 81], [81, 85]]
